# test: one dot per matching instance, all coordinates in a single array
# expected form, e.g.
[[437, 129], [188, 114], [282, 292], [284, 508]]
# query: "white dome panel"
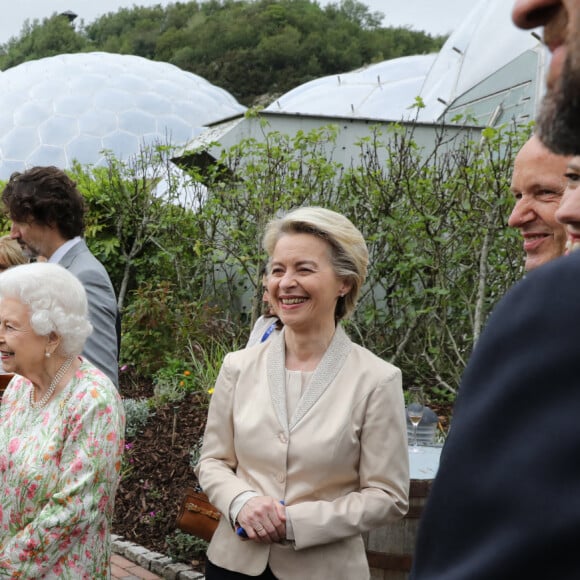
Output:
[[467, 70], [114, 100], [30, 114], [84, 149], [47, 155], [486, 41], [128, 141], [97, 122], [58, 130], [17, 142], [381, 91], [137, 122]]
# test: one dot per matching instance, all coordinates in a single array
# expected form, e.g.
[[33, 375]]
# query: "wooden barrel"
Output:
[[390, 548]]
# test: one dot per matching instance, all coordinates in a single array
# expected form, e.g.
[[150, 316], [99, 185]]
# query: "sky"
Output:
[[432, 16]]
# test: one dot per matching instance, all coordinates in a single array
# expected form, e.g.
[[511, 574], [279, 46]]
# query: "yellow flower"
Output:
[[210, 391]]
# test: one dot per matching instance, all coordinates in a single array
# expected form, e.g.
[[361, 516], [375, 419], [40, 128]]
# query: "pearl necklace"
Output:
[[53, 384]]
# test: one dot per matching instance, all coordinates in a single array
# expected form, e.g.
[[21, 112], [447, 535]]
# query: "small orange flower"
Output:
[[186, 373], [181, 383]]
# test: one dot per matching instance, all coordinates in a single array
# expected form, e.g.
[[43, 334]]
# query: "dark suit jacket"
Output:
[[101, 346], [506, 501]]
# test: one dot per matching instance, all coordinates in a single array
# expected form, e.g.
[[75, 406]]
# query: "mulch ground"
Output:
[[157, 471]]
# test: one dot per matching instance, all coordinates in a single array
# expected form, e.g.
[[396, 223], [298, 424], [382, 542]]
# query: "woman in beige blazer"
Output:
[[305, 446]]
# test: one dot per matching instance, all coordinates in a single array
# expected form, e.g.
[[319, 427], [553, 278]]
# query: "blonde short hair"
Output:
[[11, 253], [349, 253]]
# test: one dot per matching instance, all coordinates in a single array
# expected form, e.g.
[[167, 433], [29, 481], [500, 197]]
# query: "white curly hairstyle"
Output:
[[57, 302]]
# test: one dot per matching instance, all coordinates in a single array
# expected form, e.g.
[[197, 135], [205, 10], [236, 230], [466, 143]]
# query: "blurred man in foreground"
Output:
[[537, 185], [505, 502], [559, 120]]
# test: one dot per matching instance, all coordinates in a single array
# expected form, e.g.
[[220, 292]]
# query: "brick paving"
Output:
[[121, 568]]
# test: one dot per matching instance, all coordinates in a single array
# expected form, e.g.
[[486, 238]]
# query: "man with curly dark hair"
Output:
[[48, 219]]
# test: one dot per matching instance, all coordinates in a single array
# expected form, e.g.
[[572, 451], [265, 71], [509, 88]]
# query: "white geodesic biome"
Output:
[[75, 106]]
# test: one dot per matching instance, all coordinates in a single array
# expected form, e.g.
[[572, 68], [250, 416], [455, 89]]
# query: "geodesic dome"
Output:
[[385, 90], [487, 68], [73, 106], [487, 59]]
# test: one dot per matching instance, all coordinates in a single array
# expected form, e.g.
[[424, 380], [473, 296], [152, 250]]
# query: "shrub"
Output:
[[183, 547], [137, 413]]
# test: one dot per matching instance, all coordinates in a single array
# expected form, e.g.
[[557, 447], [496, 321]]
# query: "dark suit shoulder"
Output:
[[506, 482]]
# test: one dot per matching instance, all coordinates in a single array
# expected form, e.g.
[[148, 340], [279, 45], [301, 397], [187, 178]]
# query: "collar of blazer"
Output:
[[68, 257], [331, 363]]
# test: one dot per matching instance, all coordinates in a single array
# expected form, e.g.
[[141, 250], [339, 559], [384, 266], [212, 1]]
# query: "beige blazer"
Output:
[[340, 463]]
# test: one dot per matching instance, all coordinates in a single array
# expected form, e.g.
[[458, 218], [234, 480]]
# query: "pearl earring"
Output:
[[47, 354]]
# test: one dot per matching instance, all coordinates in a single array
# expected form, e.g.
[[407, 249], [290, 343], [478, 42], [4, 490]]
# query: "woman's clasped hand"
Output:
[[263, 519]]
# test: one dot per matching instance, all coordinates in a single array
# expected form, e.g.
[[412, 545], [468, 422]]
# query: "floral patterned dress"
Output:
[[59, 471]]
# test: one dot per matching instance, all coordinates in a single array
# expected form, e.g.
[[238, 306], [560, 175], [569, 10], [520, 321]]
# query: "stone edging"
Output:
[[154, 561]]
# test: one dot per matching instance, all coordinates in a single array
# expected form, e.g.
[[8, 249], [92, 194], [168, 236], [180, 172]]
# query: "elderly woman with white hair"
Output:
[[61, 432], [305, 447]]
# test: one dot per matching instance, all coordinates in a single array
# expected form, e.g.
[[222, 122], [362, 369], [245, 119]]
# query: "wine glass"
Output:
[[415, 409]]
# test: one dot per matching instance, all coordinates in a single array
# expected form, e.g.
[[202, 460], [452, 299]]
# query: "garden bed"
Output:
[[156, 470]]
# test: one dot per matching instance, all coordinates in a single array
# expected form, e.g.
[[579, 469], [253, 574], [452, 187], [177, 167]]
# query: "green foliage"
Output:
[[168, 390], [177, 378], [196, 375], [141, 218], [160, 321], [441, 254], [206, 360], [249, 47], [137, 412], [176, 369], [435, 222], [53, 36], [185, 547]]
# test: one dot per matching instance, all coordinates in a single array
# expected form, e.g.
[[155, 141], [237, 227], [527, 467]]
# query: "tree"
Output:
[[52, 36]]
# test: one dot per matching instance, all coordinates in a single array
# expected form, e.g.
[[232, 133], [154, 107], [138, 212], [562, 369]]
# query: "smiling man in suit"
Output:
[[47, 213]]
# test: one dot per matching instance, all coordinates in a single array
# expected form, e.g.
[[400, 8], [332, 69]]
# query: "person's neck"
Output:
[[42, 378], [304, 350], [52, 245]]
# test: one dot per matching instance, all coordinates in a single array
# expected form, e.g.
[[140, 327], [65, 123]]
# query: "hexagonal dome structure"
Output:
[[74, 106], [384, 90]]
